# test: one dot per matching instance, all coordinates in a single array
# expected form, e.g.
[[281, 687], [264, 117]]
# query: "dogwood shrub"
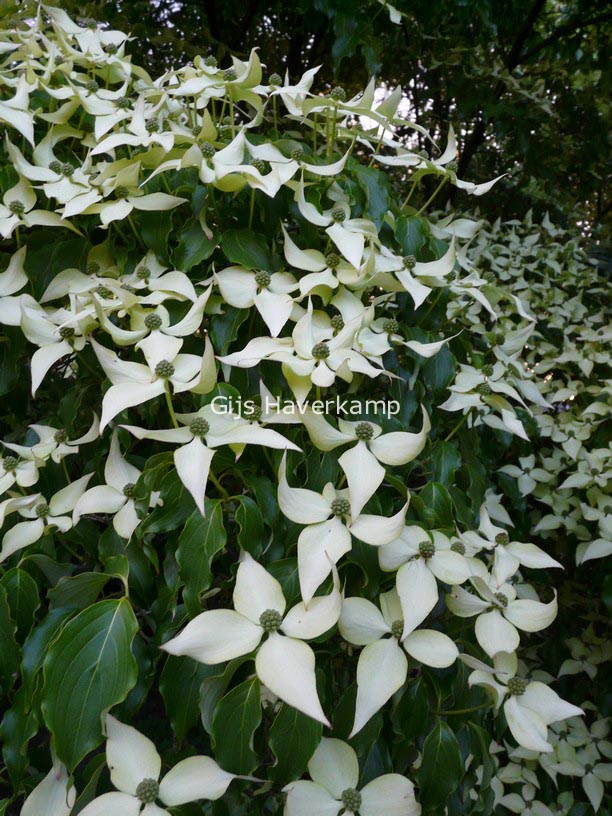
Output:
[[252, 527]]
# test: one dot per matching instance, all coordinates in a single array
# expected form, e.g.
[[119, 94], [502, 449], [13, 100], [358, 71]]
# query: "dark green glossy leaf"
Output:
[[88, 669], [201, 538], [293, 739], [237, 717], [441, 768]]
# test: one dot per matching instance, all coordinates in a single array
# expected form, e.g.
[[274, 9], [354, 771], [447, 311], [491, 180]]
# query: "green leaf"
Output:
[[36, 646], [18, 726], [201, 539], [248, 518], [439, 371], [375, 185], [411, 714], [194, 246], [437, 505], [480, 744], [155, 228], [249, 249], [78, 591], [224, 327], [216, 680], [441, 768], [88, 669], [445, 461], [410, 234], [293, 739], [9, 650], [22, 595], [236, 718], [179, 685]]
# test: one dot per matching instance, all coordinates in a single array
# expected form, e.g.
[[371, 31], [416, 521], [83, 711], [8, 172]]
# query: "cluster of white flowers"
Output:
[[143, 323], [569, 354]]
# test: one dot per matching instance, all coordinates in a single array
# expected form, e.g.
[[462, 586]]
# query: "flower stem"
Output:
[[433, 195], [223, 492], [462, 710], [169, 404], [457, 426], [251, 207]]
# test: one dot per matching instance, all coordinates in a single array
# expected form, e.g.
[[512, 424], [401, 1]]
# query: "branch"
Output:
[[568, 28]]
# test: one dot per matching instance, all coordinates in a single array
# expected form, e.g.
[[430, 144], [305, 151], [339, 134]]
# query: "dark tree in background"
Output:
[[527, 77]]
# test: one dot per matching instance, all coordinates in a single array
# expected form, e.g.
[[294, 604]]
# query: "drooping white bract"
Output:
[[500, 614], [269, 292], [327, 538], [284, 663], [116, 497], [202, 433], [41, 515], [529, 706], [334, 771], [419, 559], [382, 668], [135, 768], [53, 796], [313, 355], [360, 463], [135, 383]]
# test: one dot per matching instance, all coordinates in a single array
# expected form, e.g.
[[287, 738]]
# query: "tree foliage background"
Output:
[[528, 79]]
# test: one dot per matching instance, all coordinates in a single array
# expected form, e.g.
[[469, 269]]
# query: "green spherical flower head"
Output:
[[253, 413], [92, 268], [332, 260], [338, 214], [92, 25], [153, 321], [263, 278], [210, 62], [357, 128], [427, 549], [341, 507], [409, 261], [320, 351], [56, 166], [423, 154], [68, 169], [123, 102], [208, 150], [453, 166], [487, 370], [199, 427], [390, 325], [397, 629], [502, 538], [458, 547], [164, 369], [275, 79], [17, 207], [128, 490], [9, 463], [501, 599], [484, 389], [351, 799], [147, 791], [121, 191], [129, 288], [111, 48], [104, 292], [337, 323], [338, 94], [229, 75], [143, 273], [60, 436], [66, 332], [297, 154], [92, 86], [152, 125], [489, 276], [364, 431], [270, 620], [260, 165], [42, 510], [517, 686]]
